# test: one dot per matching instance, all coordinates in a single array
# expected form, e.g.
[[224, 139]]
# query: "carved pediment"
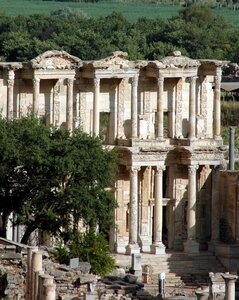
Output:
[[54, 59], [176, 60], [115, 61]]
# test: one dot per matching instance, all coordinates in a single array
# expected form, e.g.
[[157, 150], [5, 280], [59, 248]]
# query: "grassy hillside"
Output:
[[132, 11]]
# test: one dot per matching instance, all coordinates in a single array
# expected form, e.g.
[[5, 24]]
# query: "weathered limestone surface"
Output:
[[156, 113]]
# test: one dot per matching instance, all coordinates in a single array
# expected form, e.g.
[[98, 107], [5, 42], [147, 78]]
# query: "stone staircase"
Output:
[[183, 274]]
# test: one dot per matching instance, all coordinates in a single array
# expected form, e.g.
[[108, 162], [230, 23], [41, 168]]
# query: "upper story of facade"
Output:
[[173, 101]]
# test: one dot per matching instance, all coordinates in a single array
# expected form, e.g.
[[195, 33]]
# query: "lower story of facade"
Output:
[[170, 200]]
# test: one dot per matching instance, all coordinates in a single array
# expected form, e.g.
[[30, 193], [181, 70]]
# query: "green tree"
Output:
[[50, 179]]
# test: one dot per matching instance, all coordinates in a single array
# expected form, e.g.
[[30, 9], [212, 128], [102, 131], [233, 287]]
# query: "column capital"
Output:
[[192, 169], [69, 82], [160, 80], [133, 170], [159, 170], [36, 81], [135, 80], [10, 82], [11, 75], [229, 277], [217, 79], [193, 79], [96, 82]]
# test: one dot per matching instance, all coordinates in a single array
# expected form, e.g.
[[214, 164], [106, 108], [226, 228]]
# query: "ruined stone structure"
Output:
[[164, 119]]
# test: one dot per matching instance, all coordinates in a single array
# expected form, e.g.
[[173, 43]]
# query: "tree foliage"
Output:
[[195, 31], [51, 179]]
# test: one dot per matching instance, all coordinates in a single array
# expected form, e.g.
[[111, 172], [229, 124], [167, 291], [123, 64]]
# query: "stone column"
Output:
[[36, 267], [191, 246], [96, 113], [192, 109], [203, 102], [44, 279], [120, 112], [158, 246], [10, 95], [49, 291], [133, 246], [217, 107], [134, 108], [29, 272], [179, 108], [215, 212], [230, 286], [36, 92], [69, 104], [160, 85]]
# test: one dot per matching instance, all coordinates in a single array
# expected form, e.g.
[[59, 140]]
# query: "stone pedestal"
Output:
[[132, 249], [158, 248]]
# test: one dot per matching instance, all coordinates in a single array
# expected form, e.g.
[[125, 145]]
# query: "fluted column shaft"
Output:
[[69, 104], [96, 113], [192, 198], [36, 92], [160, 86], [134, 106], [10, 96], [192, 108], [217, 107]]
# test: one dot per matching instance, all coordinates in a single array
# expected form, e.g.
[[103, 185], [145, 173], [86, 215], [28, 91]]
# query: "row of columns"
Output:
[[39, 286], [157, 247], [134, 104], [69, 100], [160, 111]]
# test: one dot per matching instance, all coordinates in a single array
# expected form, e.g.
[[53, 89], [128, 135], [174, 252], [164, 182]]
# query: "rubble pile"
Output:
[[12, 279]]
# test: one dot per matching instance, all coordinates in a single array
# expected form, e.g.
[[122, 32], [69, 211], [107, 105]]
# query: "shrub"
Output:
[[62, 255], [93, 248]]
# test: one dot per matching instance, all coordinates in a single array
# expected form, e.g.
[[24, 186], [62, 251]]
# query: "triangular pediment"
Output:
[[54, 59]]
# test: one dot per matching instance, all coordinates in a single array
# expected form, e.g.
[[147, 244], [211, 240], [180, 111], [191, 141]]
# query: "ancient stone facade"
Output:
[[164, 119]]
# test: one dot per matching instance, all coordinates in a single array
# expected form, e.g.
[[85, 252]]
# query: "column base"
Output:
[[191, 247], [132, 249], [145, 243], [160, 139], [158, 248]]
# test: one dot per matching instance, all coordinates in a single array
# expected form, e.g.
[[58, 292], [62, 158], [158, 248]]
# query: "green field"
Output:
[[132, 11]]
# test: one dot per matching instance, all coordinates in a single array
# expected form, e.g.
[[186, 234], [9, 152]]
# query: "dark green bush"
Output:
[[62, 255], [93, 248]]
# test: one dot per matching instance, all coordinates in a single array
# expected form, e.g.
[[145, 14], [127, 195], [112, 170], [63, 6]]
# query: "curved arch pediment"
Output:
[[55, 59]]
